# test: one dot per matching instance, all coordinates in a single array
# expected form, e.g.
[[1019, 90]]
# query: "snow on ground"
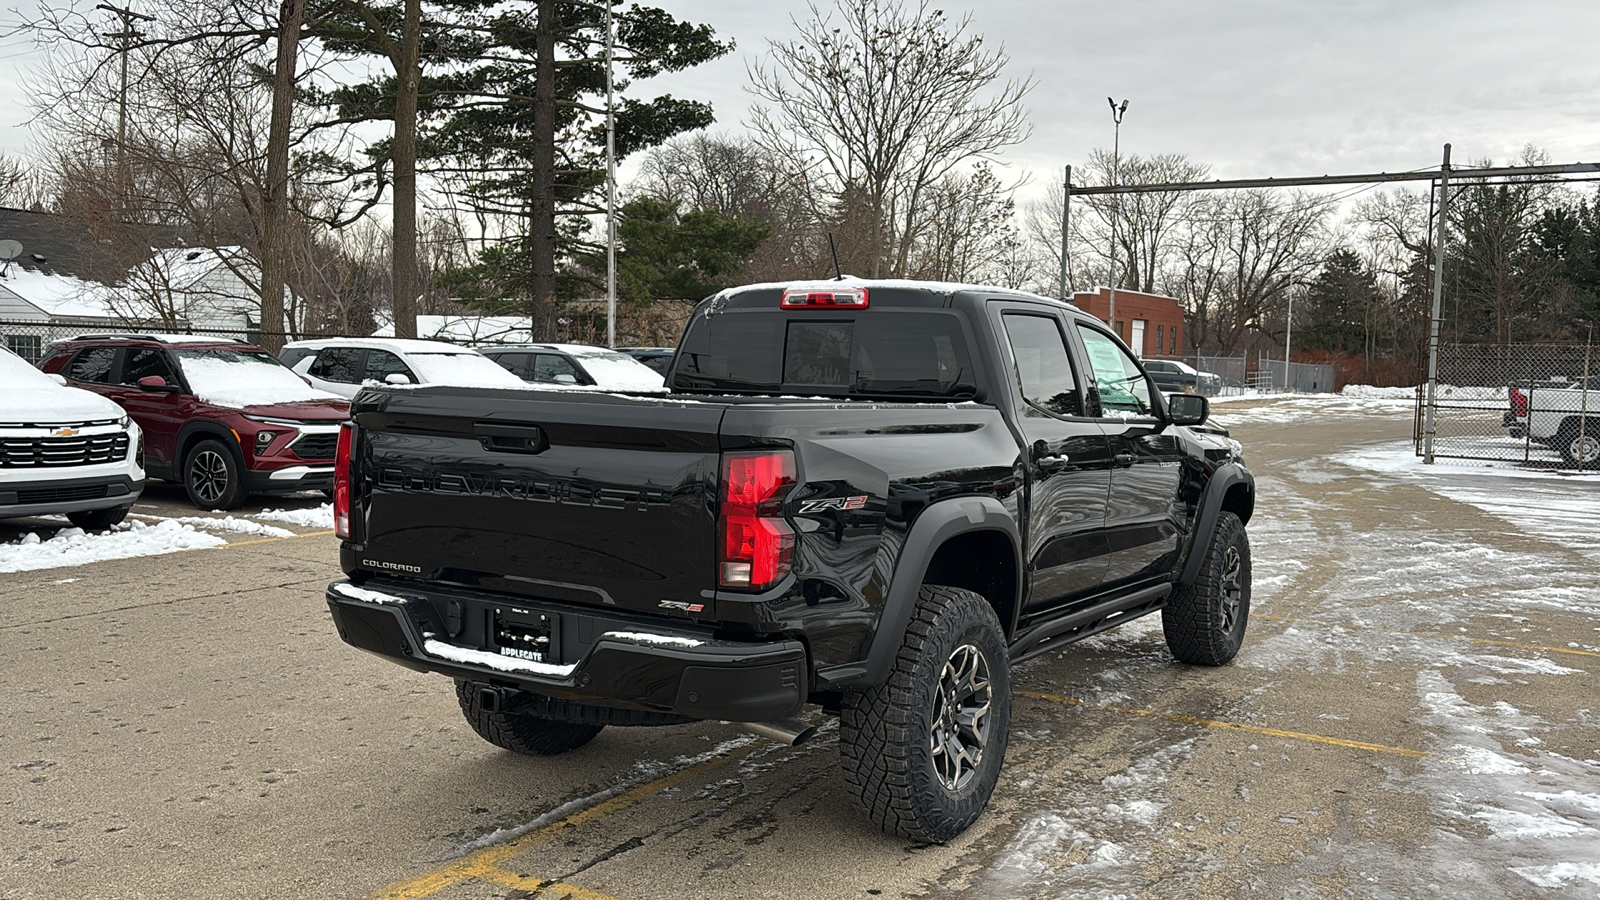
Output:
[[75, 547], [1355, 401], [227, 523], [310, 517], [1560, 506]]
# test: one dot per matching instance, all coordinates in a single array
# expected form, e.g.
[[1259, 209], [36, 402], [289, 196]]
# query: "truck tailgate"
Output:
[[578, 497]]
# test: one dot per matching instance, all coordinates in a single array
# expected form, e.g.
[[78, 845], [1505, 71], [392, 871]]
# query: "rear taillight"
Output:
[[756, 541], [824, 297], [1519, 402], [341, 484]]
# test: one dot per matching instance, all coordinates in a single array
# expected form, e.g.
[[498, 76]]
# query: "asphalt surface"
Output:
[[189, 725]]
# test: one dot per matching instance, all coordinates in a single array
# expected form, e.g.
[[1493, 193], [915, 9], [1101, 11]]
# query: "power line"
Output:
[[1370, 178]]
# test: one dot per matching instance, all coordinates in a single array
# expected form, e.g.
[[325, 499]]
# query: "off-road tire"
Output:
[[212, 477], [517, 727], [1205, 621], [886, 733], [1584, 452], [98, 519]]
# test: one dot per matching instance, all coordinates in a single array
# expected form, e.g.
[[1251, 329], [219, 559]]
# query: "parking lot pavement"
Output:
[[1411, 716]]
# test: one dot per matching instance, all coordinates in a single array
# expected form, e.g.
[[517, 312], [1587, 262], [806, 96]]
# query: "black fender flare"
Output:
[[936, 524], [1224, 479], [209, 430]]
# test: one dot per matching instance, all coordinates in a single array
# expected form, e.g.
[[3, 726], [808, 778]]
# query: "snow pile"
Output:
[[74, 547], [231, 524], [1284, 408], [313, 517], [1367, 391]]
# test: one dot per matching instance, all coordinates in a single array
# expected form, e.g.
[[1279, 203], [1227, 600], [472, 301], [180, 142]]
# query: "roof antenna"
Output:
[[835, 251]]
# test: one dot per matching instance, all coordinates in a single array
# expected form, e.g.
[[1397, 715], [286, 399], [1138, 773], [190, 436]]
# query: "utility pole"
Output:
[[1438, 306], [1066, 206], [611, 183], [1116, 205], [125, 36], [1288, 343]]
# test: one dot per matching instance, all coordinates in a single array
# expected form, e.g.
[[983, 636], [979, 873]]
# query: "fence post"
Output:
[[1438, 307]]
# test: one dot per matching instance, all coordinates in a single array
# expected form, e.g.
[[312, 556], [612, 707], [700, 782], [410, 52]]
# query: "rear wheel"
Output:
[[515, 726], [1580, 447], [98, 519], [211, 476], [922, 752]]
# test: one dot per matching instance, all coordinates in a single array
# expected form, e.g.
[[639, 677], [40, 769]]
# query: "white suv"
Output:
[[344, 365], [64, 450]]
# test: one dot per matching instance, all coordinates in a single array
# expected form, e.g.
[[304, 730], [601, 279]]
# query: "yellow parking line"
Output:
[[269, 540], [508, 879], [1442, 637], [1232, 726], [485, 864]]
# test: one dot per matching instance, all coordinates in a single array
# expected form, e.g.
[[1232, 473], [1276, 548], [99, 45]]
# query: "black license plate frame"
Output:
[[527, 634]]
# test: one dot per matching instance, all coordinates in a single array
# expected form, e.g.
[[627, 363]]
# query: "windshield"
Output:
[[240, 378], [870, 353], [461, 369], [617, 371]]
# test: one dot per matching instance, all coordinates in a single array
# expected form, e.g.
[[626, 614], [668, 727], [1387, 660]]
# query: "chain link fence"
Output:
[[1241, 374], [1533, 404]]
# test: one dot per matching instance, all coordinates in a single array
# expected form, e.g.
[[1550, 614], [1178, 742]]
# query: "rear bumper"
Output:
[[626, 662], [64, 495]]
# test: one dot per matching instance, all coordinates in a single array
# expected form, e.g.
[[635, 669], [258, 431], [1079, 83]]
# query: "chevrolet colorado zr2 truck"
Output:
[[871, 496]]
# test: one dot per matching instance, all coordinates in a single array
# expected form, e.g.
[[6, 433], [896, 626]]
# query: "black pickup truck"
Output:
[[871, 496]]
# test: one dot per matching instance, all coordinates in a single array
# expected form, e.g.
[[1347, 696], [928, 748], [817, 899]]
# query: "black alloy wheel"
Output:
[[212, 478]]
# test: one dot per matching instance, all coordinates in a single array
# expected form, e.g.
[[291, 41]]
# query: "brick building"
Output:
[[1150, 324]]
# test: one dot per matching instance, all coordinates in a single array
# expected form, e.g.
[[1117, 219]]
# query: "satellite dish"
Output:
[[10, 250]]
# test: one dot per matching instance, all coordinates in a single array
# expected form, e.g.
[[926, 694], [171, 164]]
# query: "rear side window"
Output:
[[1044, 369], [872, 353], [339, 364], [92, 365]]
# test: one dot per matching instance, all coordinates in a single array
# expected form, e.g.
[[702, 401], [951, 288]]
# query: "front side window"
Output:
[[1044, 369], [546, 366], [381, 364], [92, 365], [339, 364], [1121, 384], [143, 363]]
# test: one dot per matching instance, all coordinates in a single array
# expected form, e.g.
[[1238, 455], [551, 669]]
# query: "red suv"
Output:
[[224, 417]]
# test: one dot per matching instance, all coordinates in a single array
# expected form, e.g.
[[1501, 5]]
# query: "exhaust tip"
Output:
[[785, 731]]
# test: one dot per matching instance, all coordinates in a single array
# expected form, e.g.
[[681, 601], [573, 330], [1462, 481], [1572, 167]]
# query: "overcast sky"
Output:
[[1253, 88]]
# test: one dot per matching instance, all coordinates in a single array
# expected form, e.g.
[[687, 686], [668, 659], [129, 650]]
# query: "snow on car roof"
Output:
[[401, 345], [156, 336]]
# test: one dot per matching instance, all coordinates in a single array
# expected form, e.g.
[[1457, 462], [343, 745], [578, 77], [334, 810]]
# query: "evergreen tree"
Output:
[[1339, 304]]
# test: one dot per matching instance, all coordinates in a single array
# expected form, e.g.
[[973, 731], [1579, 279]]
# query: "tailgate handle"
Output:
[[511, 438]]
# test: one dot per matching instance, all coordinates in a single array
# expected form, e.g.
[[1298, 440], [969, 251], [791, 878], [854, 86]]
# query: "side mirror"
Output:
[[565, 379], [396, 378], [1188, 409], [155, 384], [58, 378]]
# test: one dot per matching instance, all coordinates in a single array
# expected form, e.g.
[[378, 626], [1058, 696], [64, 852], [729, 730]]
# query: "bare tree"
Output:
[[1248, 251], [882, 104]]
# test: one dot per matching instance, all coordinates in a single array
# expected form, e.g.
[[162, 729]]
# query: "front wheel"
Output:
[[1205, 621], [211, 476], [922, 752]]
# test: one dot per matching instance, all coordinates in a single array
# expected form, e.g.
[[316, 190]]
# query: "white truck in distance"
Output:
[[1568, 420]]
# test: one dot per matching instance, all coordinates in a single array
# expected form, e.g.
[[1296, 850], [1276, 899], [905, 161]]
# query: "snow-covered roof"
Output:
[[469, 329], [398, 345], [58, 295]]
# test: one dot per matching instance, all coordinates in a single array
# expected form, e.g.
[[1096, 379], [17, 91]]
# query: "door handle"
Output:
[[1053, 463], [1124, 460]]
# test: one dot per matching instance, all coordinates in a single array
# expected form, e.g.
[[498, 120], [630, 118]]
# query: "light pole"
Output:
[[1116, 204]]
